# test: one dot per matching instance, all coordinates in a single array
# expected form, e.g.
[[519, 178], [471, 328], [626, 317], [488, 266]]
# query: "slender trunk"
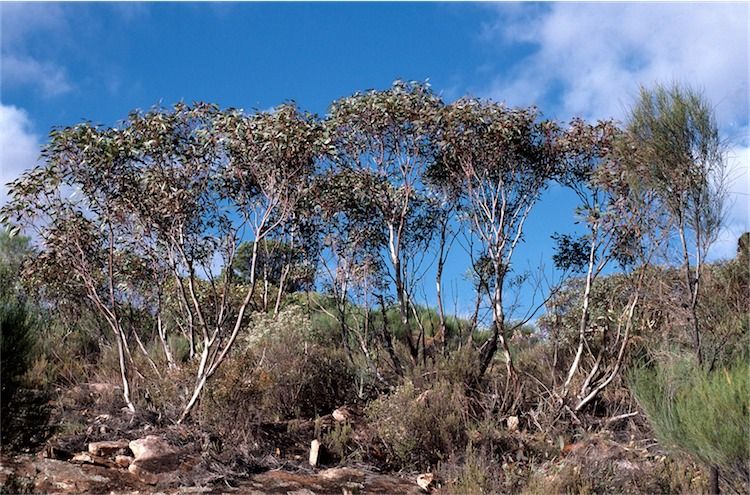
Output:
[[145, 353], [475, 314], [116, 326], [404, 311], [387, 339], [498, 334], [364, 345], [438, 287], [620, 354], [584, 322], [164, 344], [123, 371], [282, 281], [188, 313], [192, 342], [193, 399], [341, 303], [401, 294], [265, 292], [204, 360], [422, 333], [692, 285], [206, 369]]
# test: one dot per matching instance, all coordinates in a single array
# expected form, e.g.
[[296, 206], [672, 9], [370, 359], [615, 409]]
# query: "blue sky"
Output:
[[61, 63]]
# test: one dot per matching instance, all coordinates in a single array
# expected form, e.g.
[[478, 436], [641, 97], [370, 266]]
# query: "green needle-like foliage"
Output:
[[703, 414]]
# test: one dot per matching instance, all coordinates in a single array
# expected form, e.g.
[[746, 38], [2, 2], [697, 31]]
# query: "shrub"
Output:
[[703, 414], [284, 372], [16, 345], [479, 471], [421, 427]]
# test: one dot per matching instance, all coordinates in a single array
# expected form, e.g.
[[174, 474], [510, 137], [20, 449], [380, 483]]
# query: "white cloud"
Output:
[[21, 20], [50, 78], [20, 23], [590, 58], [738, 207], [19, 147]]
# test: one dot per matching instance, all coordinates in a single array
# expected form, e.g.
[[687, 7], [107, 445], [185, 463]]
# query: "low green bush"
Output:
[[703, 414]]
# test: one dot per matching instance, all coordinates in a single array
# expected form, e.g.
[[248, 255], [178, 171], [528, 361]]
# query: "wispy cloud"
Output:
[[737, 218], [51, 79], [19, 146], [40, 40], [588, 59], [21, 22]]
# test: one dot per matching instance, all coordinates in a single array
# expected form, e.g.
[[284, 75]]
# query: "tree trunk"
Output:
[[387, 340], [583, 324], [164, 342], [123, 371], [401, 295], [692, 285], [438, 287], [498, 334]]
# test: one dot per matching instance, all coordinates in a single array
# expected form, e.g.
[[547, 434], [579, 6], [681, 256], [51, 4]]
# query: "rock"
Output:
[[342, 414], [143, 474], [512, 422], [314, 452], [333, 480], [341, 474], [82, 458], [123, 460], [150, 447], [57, 476], [109, 447], [425, 481], [153, 456], [88, 458]]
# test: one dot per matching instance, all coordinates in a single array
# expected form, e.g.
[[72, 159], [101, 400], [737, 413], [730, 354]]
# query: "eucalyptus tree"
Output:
[[352, 229], [501, 159], [267, 160], [622, 221], [393, 134], [75, 204], [679, 155], [609, 215], [166, 198]]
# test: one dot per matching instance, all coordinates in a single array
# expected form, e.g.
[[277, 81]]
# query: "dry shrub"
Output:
[[459, 367], [477, 471], [285, 372], [299, 374], [496, 460], [420, 427], [597, 464]]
